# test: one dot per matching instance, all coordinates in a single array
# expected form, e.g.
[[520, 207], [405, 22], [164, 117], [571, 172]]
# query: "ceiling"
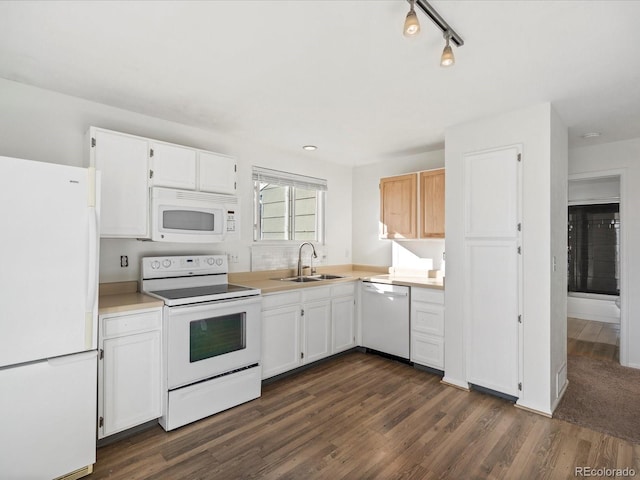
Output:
[[337, 74]]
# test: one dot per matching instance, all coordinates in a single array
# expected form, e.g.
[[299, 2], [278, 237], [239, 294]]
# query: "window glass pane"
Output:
[[594, 248], [216, 336], [274, 212], [305, 214]]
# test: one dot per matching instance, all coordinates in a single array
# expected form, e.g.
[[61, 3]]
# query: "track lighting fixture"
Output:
[[412, 27], [447, 59], [411, 24]]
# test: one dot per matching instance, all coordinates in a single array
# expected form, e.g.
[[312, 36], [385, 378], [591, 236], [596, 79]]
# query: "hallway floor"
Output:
[[594, 339]]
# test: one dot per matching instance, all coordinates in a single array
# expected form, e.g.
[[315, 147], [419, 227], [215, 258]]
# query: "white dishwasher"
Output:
[[385, 318]]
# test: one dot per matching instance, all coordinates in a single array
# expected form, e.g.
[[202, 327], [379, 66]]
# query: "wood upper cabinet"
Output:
[[398, 206], [432, 204]]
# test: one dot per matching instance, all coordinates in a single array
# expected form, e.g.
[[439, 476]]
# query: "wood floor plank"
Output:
[[361, 416]]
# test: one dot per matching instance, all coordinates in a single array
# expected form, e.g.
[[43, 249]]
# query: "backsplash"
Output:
[[275, 257]]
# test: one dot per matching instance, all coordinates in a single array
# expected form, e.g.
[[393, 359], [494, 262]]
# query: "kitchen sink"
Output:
[[310, 278], [298, 279]]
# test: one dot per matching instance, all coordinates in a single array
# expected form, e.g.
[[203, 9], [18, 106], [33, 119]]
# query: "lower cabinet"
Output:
[[306, 325], [427, 327], [129, 369]]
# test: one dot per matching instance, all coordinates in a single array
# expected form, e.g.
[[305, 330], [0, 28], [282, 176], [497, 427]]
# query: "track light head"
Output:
[[411, 24], [447, 59]]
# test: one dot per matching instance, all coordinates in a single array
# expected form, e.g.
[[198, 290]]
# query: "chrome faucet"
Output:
[[300, 256]]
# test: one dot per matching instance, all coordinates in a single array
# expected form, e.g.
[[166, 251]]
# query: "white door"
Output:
[[131, 381], [317, 330], [492, 268], [48, 417], [280, 340], [217, 173], [49, 252], [123, 161], [173, 166], [342, 324]]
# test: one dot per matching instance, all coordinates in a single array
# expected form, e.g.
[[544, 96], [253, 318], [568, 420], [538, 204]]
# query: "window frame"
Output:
[[292, 182]]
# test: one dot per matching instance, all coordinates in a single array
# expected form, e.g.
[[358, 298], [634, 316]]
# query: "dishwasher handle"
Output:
[[370, 289]]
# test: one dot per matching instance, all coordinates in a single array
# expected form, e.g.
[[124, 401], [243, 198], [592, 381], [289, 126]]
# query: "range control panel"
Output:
[[183, 265]]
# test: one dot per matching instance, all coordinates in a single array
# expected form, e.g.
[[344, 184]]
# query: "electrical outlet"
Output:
[[233, 258], [124, 261]]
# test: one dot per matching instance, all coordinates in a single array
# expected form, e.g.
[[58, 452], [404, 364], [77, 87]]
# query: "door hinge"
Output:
[[101, 355], [519, 250], [519, 318], [101, 422], [235, 186], [520, 386], [235, 167], [302, 312], [519, 157], [150, 173], [151, 152], [301, 354], [93, 142], [519, 227]]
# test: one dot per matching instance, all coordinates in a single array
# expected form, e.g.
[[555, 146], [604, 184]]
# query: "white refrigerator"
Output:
[[48, 319]]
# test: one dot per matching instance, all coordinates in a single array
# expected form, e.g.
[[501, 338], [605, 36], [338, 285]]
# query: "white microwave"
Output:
[[183, 216]]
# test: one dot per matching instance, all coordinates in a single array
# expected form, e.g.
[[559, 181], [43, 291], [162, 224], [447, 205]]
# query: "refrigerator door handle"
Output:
[[92, 276]]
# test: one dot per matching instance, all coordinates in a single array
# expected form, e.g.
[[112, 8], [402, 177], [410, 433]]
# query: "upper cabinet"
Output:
[[217, 173], [123, 161], [172, 166], [407, 211], [432, 204], [130, 165], [398, 207]]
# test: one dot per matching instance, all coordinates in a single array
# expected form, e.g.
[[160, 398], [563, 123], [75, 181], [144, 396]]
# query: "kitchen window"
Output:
[[288, 206], [594, 248]]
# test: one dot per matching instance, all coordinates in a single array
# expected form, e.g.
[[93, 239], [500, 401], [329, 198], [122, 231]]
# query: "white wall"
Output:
[[42, 125], [531, 127], [368, 249], [625, 157], [559, 159]]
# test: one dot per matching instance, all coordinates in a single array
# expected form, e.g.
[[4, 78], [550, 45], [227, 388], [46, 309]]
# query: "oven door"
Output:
[[211, 339]]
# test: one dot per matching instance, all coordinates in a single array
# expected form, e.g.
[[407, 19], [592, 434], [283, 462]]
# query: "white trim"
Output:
[[624, 321]]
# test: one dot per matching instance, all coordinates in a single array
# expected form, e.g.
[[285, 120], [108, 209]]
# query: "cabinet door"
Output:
[[398, 202], [131, 381], [432, 204], [316, 330], [173, 166], [217, 173], [280, 340], [342, 324], [123, 161]]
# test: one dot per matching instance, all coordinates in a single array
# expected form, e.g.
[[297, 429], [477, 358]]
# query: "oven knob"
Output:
[[218, 261], [211, 260], [166, 263], [155, 264]]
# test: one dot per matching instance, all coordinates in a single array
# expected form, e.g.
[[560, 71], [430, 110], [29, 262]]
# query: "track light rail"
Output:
[[435, 17]]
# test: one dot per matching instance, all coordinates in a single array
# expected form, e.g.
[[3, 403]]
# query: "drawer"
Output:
[[141, 321], [320, 293], [276, 300], [343, 289], [427, 350], [430, 295], [427, 318]]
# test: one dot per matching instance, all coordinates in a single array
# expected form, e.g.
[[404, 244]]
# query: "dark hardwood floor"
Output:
[[361, 416]]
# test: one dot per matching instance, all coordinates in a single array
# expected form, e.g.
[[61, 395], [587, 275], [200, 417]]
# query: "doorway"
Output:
[[597, 272]]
